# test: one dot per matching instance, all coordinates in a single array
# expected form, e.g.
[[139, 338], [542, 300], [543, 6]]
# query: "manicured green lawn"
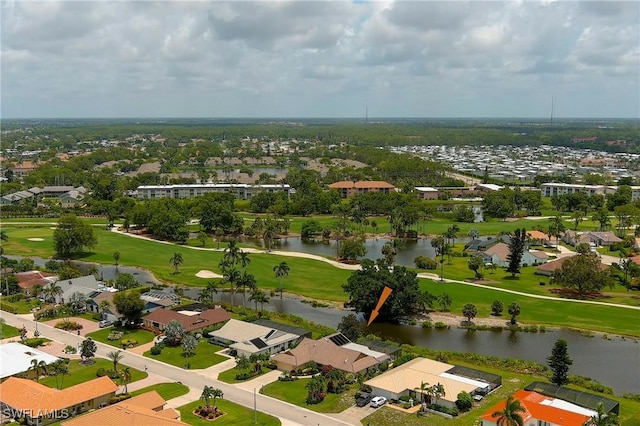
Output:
[[79, 373], [235, 415], [166, 390], [539, 311], [296, 393], [319, 280], [7, 331], [229, 376], [205, 356], [142, 336]]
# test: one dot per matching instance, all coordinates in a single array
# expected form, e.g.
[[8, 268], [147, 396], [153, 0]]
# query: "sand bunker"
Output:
[[35, 239], [207, 274]]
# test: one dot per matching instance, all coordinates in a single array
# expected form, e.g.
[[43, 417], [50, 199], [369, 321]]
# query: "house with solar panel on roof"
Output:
[[335, 350], [254, 339]]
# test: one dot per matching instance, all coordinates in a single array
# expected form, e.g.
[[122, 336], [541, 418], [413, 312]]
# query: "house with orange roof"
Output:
[[190, 320], [147, 409], [542, 410], [27, 280], [21, 169], [41, 405], [538, 237], [348, 189]]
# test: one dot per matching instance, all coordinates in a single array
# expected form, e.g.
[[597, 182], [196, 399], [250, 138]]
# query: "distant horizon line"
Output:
[[540, 118]]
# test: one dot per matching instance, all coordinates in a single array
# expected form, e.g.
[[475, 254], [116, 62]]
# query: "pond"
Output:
[[612, 361]]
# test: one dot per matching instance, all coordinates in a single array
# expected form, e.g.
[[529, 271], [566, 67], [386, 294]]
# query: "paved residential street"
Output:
[[290, 414]]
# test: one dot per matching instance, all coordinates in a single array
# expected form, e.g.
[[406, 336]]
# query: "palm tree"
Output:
[[244, 259], [125, 375], [207, 394], [246, 280], [115, 356], [279, 290], [510, 415], [212, 288], [281, 270], [231, 276], [602, 418], [116, 257], [231, 253], [268, 235], [176, 260], [37, 290], [216, 393], [438, 391], [38, 367], [103, 306], [55, 290], [423, 388], [259, 296], [59, 368], [204, 296]]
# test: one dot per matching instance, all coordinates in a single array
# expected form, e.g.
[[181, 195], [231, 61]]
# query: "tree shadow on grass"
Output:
[[568, 293]]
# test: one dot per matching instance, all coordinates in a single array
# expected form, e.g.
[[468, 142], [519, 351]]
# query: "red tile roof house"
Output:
[[191, 321], [348, 189], [542, 410], [26, 280], [146, 409], [41, 405]]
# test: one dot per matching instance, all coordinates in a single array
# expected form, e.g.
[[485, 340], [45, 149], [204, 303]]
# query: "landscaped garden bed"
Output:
[[235, 414]]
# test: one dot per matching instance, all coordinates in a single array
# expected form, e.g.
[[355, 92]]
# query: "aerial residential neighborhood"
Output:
[[311, 213]]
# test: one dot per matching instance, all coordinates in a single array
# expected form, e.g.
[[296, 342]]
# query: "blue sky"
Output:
[[320, 59]]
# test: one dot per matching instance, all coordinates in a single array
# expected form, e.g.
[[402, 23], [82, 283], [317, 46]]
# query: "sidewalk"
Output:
[[152, 379], [192, 395]]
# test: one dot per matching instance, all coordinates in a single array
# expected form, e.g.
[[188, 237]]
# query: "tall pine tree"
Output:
[[516, 250], [559, 363]]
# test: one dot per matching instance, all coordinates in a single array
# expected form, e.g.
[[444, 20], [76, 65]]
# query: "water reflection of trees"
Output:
[[513, 338]]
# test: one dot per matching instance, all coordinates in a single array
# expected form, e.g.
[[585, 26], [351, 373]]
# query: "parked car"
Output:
[[378, 401], [363, 399], [160, 339], [104, 323]]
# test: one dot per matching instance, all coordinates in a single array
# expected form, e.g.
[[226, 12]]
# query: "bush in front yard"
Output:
[[68, 325]]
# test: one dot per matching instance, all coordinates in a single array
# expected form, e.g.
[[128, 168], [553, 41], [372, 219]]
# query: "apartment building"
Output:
[[239, 190]]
